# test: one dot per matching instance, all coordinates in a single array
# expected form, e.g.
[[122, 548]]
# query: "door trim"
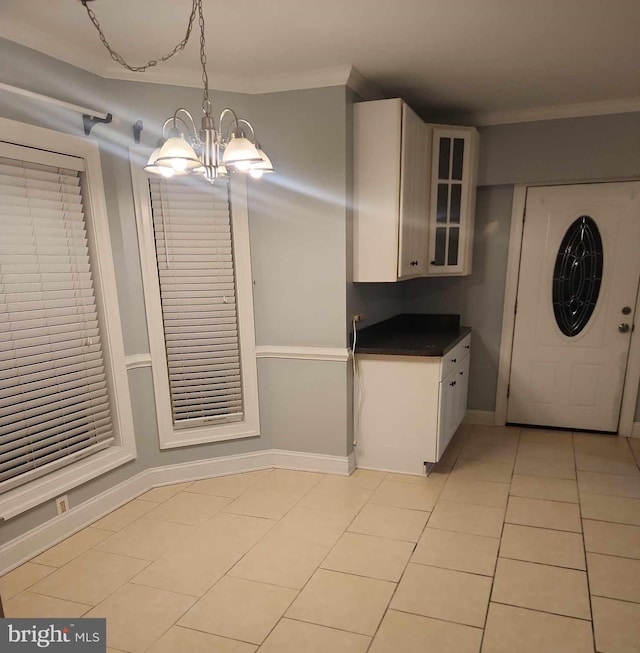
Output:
[[632, 376]]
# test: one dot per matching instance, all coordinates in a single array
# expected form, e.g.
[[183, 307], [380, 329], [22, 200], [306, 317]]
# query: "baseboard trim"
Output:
[[41, 538], [479, 417], [310, 462]]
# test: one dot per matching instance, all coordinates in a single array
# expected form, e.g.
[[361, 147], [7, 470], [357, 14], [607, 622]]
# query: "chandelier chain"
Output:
[[153, 62], [206, 102]]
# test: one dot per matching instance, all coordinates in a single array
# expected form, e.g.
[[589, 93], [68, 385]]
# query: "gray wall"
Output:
[[554, 151], [479, 297], [576, 149], [298, 241]]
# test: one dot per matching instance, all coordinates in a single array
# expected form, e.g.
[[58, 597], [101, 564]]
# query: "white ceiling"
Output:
[[488, 60]]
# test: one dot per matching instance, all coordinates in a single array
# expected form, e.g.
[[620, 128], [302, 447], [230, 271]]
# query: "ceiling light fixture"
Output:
[[211, 152]]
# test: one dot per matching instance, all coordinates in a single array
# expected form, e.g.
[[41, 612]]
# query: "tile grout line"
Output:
[[430, 513], [495, 569], [299, 591], [175, 623], [584, 547]]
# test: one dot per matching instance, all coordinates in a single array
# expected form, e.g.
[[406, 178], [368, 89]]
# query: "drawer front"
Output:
[[453, 357], [453, 403]]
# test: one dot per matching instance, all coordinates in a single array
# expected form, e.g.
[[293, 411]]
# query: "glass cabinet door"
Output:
[[450, 205]]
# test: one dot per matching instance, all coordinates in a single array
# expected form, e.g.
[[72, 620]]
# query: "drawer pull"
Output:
[[452, 383], [467, 346], [461, 373], [454, 360]]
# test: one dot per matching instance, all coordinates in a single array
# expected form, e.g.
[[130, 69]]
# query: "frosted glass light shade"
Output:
[[163, 170], [240, 153], [177, 154], [265, 165]]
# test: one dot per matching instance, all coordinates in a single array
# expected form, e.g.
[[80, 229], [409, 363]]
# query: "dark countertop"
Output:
[[412, 334]]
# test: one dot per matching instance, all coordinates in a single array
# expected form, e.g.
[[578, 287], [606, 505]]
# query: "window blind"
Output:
[[54, 403], [194, 255]]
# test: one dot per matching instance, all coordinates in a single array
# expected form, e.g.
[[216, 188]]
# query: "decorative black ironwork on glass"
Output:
[[577, 276]]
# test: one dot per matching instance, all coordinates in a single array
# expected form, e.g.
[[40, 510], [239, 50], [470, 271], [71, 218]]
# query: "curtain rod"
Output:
[[50, 100]]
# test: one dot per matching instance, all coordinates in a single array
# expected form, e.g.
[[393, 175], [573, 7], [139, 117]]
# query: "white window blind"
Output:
[[54, 402], [194, 255]]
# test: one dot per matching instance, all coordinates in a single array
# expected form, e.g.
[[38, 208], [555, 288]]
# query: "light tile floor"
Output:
[[521, 540]]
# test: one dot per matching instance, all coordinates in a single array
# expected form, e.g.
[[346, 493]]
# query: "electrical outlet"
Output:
[[358, 317], [62, 504]]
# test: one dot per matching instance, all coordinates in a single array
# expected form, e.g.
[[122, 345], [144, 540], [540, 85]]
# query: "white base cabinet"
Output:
[[407, 408]]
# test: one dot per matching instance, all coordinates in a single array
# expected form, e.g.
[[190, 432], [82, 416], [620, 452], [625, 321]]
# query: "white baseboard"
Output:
[[310, 462], [352, 461], [635, 431], [41, 538], [479, 417]]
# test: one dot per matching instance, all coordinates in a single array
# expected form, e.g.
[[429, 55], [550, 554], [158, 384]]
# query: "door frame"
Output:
[[626, 425]]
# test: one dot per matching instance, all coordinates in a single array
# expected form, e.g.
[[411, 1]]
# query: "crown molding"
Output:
[[190, 77], [66, 51], [250, 85], [363, 87], [556, 112]]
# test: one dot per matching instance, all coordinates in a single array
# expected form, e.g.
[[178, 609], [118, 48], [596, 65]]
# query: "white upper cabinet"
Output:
[[391, 192], [453, 199], [414, 194]]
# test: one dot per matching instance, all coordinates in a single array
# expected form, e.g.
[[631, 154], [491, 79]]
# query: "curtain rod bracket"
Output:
[[137, 130], [90, 122]]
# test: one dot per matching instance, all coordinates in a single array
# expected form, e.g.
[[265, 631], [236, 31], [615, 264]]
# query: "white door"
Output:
[[577, 289]]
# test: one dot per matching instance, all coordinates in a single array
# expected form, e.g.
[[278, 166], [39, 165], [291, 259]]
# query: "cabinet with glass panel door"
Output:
[[452, 207]]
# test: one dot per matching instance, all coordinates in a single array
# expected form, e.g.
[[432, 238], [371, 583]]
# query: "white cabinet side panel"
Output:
[[397, 418]]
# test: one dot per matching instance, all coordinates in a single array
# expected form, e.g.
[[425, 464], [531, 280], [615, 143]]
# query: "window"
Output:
[[64, 403], [577, 276], [197, 281]]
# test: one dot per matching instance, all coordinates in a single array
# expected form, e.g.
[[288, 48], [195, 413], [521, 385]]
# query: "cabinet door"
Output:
[[453, 181], [377, 146], [461, 388], [446, 412], [453, 403], [414, 196]]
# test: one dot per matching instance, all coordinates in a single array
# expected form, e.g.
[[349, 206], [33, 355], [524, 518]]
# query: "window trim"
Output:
[[169, 436], [25, 497]]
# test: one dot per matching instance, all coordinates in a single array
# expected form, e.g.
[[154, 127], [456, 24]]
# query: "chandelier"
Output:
[[214, 150]]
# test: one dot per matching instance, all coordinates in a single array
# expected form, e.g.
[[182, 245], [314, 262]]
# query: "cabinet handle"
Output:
[[454, 360], [461, 373], [452, 383], [467, 346]]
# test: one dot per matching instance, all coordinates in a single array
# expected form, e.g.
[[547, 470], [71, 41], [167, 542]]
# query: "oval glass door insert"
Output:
[[577, 276]]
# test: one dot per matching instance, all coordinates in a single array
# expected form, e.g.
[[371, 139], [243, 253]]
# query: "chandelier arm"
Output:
[[250, 126], [223, 113], [153, 62]]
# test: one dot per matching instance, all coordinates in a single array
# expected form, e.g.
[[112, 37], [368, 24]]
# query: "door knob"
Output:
[[626, 310], [623, 328]]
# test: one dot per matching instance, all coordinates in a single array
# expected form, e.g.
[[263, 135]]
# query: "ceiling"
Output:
[[490, 61]]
